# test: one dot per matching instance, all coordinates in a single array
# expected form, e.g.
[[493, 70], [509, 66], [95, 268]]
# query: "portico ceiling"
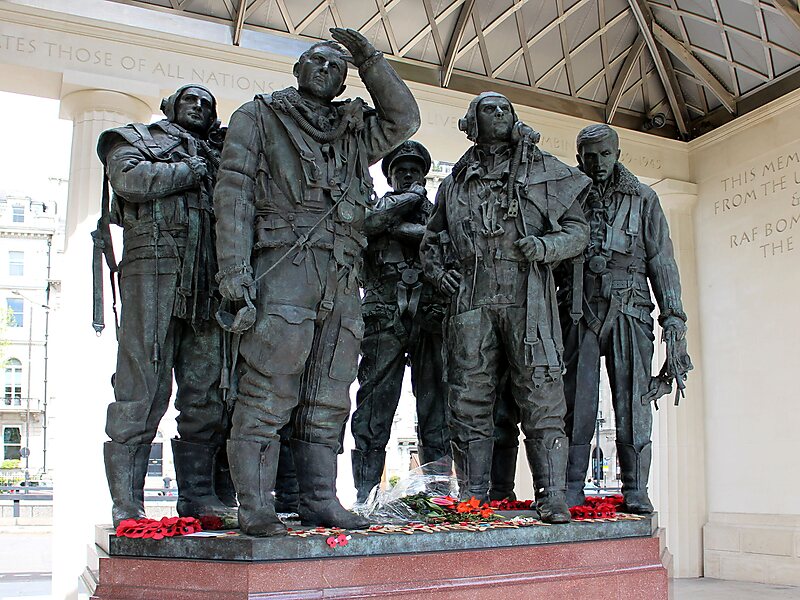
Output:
[[696, 63]]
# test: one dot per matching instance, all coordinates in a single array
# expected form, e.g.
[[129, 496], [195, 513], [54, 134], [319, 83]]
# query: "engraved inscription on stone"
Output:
[[767, 197], [89, 55]]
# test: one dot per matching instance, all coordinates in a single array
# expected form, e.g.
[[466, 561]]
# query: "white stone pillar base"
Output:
[[752, 547]]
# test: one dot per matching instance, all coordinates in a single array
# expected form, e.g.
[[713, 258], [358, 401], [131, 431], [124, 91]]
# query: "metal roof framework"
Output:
[[693, 64]]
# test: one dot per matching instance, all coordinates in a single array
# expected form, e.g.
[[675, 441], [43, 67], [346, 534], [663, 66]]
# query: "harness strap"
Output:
[[634, 216], [413, 301], [103, 248], [614, 307], [402, 297], [531, 314], [592, 321], [147, 139], [329, 295], [550, 336], [98, 319], [186, 285], [576, 308], [610, 244]]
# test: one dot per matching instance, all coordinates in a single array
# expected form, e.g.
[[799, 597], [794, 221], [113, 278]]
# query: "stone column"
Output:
[[678, 479], [81, 497]]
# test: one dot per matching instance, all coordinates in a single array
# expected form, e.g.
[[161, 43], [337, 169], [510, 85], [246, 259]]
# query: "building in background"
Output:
[[28, 227]]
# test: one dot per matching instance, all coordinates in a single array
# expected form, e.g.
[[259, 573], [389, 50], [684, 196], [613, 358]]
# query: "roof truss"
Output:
[[568, 56]]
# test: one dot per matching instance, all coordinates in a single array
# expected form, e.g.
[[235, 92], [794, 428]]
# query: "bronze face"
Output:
[[494, 118], [194, 110], [320, 74], [405, 172], [597, 159]]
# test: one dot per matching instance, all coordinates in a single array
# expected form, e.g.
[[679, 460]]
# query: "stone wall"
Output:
[[748, 547], [748, 256]]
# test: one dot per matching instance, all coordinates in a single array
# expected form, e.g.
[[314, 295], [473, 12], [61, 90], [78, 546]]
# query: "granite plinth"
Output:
[[499, 565], [246, 548]]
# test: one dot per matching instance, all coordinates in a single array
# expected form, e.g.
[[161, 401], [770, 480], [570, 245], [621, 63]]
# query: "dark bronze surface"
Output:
[[605, 307], [162, 176], [290, 201], [504, 217]]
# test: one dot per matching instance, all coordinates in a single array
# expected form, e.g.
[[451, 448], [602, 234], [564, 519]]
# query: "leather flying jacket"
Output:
[[279, 180], [393, 277], [148, 162], [494, 272], [547, 189], [164, 206], [629, 245]]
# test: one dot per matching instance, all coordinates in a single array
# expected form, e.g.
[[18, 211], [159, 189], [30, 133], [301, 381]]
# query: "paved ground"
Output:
[[26, 562], [31, 586], [36, 586], [717, 589], [25, 550]]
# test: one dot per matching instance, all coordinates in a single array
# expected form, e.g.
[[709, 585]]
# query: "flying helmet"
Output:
[[469, 123], [169, 103]]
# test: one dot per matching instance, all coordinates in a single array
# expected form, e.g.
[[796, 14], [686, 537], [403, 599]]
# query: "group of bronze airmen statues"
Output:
[[245, 250]]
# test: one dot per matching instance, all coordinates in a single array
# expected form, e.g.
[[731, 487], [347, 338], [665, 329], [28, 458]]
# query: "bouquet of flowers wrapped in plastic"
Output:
[[428, 494], [446, 509]]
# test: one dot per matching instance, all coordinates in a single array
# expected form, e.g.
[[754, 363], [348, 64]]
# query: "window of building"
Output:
[[12, 443], [13, 383], [15, 312], [16, 263], [18, 213]]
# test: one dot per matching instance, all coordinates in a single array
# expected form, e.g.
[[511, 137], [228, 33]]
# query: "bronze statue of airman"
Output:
[[504, 217], [292, 192], [605, 307], [162, 176]]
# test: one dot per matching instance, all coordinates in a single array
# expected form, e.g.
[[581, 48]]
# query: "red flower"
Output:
[[578, 512], [211, 522], [597, 507], [506, 504], [157, 530], [339, 540], [470, 506], [443, 501]]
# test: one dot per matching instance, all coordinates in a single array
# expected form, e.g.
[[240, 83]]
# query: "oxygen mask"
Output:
[[240, 322]]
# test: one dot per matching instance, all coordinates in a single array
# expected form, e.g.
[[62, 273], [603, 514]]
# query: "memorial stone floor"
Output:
[[718, 589]]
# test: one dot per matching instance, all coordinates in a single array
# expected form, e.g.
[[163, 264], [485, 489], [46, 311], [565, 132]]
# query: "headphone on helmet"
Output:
[[169, 104], [469, 122]]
